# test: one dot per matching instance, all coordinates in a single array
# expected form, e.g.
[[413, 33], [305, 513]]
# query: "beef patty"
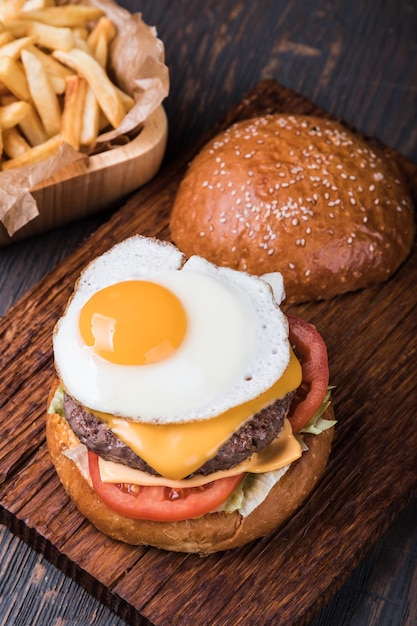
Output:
[[254, 436]]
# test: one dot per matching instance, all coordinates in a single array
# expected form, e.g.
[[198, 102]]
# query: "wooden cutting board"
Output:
[[282, 579]]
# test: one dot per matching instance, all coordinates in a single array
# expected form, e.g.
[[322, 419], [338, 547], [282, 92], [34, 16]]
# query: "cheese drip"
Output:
[[283, 451], [177, 450]]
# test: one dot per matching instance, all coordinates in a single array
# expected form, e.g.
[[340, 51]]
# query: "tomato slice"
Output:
[[311, 351], [161, 504]]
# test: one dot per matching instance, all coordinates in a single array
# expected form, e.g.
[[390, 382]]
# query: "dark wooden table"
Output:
[[357, 60]]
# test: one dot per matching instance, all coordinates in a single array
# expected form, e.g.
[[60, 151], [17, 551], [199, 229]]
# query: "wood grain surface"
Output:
[[364, 488], [356, 60]]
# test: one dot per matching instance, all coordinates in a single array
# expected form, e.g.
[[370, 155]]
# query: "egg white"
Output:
[[235, 347]]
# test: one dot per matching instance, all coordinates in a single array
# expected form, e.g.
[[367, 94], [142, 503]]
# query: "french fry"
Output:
[[14, 78], [52, 66], [31, 5], [42, 93], [104, 28], [50, 37], [81, 43], [5, 37], [37, 154], [11, 114], [55, 70], [70, 15], [15, 47], [32, 127], [127, 100], [9, 8], [101, 50], [91, 120], [17, 27], [14, 145], [106, 93], [72, 115], [81, 32]]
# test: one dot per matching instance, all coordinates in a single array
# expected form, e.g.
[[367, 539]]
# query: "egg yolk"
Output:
[[134, 322]]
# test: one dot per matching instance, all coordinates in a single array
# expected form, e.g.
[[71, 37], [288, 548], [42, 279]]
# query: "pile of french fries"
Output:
[[54, 85]]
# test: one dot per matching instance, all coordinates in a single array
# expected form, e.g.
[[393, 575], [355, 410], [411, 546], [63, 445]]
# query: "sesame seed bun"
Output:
[[300, 195]]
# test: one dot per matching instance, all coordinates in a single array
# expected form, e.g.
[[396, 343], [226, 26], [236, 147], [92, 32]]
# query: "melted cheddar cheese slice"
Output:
[[177, 450], [283, 451]]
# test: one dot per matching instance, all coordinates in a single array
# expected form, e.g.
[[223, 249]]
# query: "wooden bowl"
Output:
[[88, 186]]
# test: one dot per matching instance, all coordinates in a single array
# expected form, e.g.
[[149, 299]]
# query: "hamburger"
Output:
[[188, 412], [297, 194]]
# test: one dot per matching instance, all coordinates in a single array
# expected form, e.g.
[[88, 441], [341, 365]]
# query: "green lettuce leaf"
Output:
[[317, 424], [57, 402], [252, 491]]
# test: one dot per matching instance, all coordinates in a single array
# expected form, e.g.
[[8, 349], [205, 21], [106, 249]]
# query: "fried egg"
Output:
[[152, 337]]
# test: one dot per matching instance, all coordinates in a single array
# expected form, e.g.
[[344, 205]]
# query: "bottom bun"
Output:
[[212, 532]]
